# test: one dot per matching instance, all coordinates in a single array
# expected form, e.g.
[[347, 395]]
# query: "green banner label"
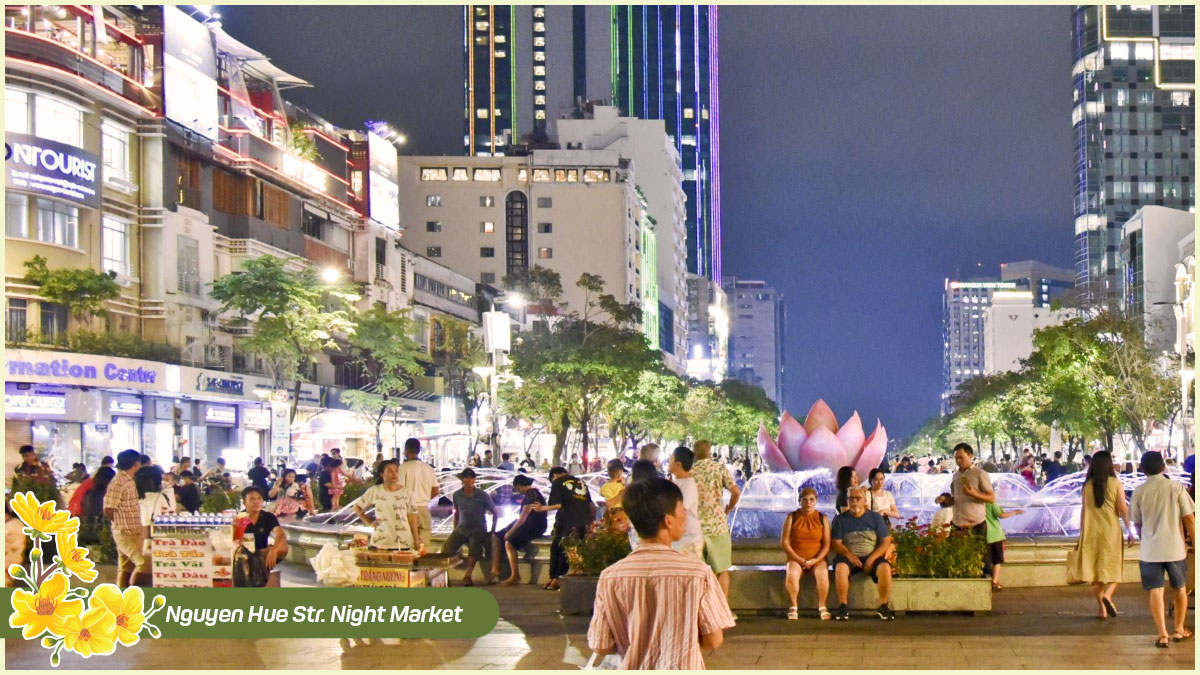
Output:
[[319, 612]]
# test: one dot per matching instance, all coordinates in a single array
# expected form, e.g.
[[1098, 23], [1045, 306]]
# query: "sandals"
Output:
[[1163, 642], [1110, 608], [997, 588], [1181, 635], [825, 615], [793, 614]]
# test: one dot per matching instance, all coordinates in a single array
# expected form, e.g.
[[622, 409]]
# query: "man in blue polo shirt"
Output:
[[860, 538]]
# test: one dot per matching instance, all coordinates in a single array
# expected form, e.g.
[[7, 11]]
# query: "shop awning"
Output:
[[255, 62]]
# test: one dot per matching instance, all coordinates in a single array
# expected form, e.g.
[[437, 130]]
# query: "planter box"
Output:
[[941, 595], [577, 594]]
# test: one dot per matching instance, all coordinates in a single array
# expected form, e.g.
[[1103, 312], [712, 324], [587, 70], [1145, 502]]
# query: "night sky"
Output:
[[867, 154]]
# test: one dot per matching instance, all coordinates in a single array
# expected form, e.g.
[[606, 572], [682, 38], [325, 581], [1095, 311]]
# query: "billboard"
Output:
[[384, 189], [189, 73], [45, 167]]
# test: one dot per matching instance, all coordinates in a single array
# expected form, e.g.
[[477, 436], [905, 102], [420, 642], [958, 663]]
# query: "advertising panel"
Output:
[[384, 190], [190, 73], [34, 399], [83, 369], [46, 167]]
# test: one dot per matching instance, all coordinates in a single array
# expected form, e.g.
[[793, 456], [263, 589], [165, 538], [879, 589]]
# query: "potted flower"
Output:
[[605, 543], [939, 571]]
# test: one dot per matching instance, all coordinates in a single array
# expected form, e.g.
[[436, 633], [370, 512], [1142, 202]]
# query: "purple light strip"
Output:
[[714, 124], [703, 263]]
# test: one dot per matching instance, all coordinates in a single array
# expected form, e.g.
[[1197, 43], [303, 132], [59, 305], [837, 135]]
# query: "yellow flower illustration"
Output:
[[43, 517], [92, 633], [127, 610], [74, 558], [46, 611]]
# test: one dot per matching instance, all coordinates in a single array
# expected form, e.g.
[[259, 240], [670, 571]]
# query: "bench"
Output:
[[759, 589]]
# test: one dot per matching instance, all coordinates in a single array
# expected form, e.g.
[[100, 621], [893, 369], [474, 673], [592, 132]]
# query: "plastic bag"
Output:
[[334, 567], [248, 569], [607, 662]]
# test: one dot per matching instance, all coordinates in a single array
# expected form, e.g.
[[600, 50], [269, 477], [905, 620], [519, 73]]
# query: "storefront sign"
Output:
[[118, 406], [383, 190], [281, 428], [220, 414], [82, 369], [220, 385], [31, 403], [50, 168], [256, 418]]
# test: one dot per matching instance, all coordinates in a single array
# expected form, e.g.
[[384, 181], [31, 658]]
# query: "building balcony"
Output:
[[264, 157], [44, 54], [324, 255], [238, 250]]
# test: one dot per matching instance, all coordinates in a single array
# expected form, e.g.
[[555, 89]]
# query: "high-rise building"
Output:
[[489, 78], [1150, 251], [1133, 82], [757, 323], [1008, 327], [1047, 283]]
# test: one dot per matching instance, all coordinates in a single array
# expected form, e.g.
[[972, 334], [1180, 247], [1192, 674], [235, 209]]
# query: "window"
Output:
[[539, 85], [539, 41], [539, 71], [1118, 51], [501, 39], [487, 201], [487, 278], [596, 176], [312, 225], [58, 120], [539, 115], [15, 319], [433, 200], [487, 175], [689, 113], [540, 99], [545, 253], [16, 215], [232, 194], [516, 232], [188, 171], [501, 53], [545, 202], [380, 256], [54, 320], [545, 228], [1143, 51], [16, 111], [115, 145], [114, 245], [481, 113], [539, 56], [437, 173], [522, 175], [487, 227], [57, 223], [277, 206], [459, 173], [433, 251], [433, 226], [187, 262], [541, 176], [487, 252]]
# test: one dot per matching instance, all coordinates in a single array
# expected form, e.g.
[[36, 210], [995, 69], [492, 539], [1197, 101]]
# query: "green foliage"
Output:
[[124, 345], [457, 351], [353, 491], [647, 409], [217, 501], [381, 346], [601, 547], [97, 537], [42, 488], [301, 144], [921, 553], [82, 291]]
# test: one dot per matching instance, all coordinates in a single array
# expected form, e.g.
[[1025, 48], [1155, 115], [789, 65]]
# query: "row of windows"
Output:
[[545, 253], [487, 227], [53, 319], [58, 223], [492, 175], [57, 120], [439, 289], [436, 201]]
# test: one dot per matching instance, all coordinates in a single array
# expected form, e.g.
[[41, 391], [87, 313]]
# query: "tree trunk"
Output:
[[1108, 440], [560, 437]]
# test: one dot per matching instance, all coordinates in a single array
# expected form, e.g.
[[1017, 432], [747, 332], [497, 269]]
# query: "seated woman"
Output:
[[882, 501], [847, 478], [263, 525], [805, 541]]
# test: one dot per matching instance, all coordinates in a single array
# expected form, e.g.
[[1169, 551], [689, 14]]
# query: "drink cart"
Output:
[[192, 551]]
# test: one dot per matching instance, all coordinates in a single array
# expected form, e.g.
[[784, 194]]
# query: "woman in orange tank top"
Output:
[[805, 541]]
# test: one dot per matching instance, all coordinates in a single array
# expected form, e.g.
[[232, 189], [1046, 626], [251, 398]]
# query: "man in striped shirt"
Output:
[[658, 608], [121, 506]]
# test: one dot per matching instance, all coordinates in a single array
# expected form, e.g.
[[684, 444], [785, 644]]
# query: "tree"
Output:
[[82, 292], [293, 317], [644, 410], [382, 347], [457, 351]]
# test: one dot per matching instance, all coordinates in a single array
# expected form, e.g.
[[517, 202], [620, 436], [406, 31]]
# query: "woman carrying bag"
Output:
[[1098, 558]]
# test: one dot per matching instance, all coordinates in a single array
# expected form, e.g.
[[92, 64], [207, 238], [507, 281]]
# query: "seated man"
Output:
[[471, 506], [860, 540]]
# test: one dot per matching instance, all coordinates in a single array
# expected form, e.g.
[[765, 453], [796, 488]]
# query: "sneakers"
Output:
[[793, 614], [886, 613], [842, 613]]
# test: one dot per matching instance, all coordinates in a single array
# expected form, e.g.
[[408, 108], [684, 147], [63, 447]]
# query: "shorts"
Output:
[[1152, 574], [718, 552], [476, 541], [424, 525], [873, 571], [996, 551]]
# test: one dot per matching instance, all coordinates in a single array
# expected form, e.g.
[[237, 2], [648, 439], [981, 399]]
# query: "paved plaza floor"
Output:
[[1031, 628]]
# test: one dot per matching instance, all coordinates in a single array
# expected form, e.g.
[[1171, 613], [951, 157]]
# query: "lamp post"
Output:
[[1184, 378]]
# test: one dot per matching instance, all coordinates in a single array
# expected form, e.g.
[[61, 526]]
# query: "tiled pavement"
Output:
[[1036, 628]]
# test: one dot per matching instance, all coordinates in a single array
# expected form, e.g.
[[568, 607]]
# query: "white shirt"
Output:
[[420, 480], [392, 507], [1158, 506], [942, 519], [691, 502]]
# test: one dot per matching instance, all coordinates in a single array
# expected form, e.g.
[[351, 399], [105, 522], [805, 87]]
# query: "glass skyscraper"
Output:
[[489, 78], [1133, 115]]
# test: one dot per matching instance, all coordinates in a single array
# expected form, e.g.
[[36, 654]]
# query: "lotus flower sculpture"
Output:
[[820, 443]]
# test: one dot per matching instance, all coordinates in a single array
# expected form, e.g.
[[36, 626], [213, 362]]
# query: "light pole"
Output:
[[1184, 379]]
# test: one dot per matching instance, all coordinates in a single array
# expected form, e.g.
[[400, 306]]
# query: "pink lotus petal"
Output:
[[852, 437], [872, 452], [819, 415], [823, 449], [791, 439], [769, 451]]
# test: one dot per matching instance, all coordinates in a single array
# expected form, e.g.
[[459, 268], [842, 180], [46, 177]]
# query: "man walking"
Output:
[[972, 491], [1161, 509], [419, 480], [122, 508], [712, 479], [658, 609], [692, 541]]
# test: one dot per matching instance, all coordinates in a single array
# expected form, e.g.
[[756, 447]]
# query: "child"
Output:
[[941, 520], [995, 538]]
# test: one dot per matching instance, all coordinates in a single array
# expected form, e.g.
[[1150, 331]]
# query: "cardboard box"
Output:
[[389, 577], [437, 578]]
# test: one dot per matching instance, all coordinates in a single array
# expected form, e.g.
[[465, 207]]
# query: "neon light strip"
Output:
[[238, 132], [87, 13], [1158, 83], [703, 225], [327, 138], [645, 66], [76, 52], [468, 26], [615, 52], [251, 160], [714, 131], [492, 74], [658, 20], [512, 68], [629, 45], [84, 80]]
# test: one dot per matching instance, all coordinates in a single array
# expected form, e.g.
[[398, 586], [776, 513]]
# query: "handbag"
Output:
[[248, 569], [1073, 574]]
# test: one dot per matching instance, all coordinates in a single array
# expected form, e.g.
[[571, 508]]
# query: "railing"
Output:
[[28, 46]]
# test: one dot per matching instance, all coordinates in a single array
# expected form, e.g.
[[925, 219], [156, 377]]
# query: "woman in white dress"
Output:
[[395, 519]]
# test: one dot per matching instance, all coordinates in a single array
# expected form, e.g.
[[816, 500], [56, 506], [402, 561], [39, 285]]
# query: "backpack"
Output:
[[248, 569]]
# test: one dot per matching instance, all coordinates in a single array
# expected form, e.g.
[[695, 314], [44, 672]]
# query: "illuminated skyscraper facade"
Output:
[[490, 78]]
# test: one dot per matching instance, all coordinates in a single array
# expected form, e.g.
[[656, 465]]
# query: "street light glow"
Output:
[[331, 274], [515, 300]]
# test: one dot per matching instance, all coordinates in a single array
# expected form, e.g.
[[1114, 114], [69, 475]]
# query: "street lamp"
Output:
[[330, 275], [1181, 348]]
